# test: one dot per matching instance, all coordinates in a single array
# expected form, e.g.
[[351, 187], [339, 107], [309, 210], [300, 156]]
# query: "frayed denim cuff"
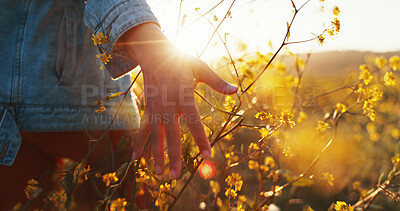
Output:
[[114, 18]]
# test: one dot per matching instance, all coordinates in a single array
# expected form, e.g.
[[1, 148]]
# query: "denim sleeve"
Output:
[[113, 18]]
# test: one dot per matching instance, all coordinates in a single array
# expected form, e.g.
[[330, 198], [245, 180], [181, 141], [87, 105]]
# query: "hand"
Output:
[[169, 82]]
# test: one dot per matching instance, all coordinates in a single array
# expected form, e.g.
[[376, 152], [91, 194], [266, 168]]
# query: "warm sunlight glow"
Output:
[[192, 40]]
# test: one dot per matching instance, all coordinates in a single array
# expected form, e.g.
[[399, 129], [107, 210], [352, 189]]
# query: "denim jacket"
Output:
[[50, 75]]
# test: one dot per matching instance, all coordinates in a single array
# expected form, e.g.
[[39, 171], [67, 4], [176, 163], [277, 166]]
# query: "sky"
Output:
[[366, 25]]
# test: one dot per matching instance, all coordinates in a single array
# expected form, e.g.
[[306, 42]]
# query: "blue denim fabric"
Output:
[[50, 75]]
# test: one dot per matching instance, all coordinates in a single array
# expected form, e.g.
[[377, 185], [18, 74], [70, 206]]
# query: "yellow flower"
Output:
[[263, 115], [389, 79], [302, 117], [229, 103], [253, 147], [340, 108], [300, 63], [104, 57], [286, 118], [336, 11], [17, 207], [253, 164], [100, 109], [394, 62], [99, 38], [322, 126], [336, 24], [110, 178], [141, 176], [395, 132], [219, 202], [321, 39], [58, 198], [331, 32], [118, 204], [264, 132], [31, 188], [396, 159], [242, 199], [380, 62], [342, 206], [162, 200], [230, 193], [287, 150], [365, 75], [269, 161], [281, 67], [371, 114], [215, 187], [235, 183], [234, 180], [328, 177]]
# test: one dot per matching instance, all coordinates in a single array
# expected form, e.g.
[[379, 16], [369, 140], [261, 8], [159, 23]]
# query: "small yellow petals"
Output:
[[302, 117], [365, 75], [389, 79], [394, 62], [342, 206], [110, 178], [264, 132], [336, 11], [253, 147], [336, 24], [118, 204], [395, 133], [58, 198], [321, 39], [104, 57], [215, 187], [288, 150], [269, 161], [235, 183], [263, 115], [340, 108], [229, 103], [328, 177], [219, 202], [380, 62], [17, 207], [308, 208], [322, 126], [100, 109], [286, 118], [253, 164], [300, 63], [281, 67], [99, 39], [31, 188]]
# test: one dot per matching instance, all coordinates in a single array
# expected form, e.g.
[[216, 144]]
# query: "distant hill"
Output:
[[336, 63]]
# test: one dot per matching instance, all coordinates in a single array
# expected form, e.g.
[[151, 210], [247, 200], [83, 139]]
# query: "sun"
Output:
[[193, 39]]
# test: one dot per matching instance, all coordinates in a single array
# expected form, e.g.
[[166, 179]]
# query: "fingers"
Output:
[[204, 73], [192, 118], [157, 145], [172, 132], [141, 137]]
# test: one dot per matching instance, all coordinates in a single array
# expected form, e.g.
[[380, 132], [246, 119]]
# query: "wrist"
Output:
[[146, 43]]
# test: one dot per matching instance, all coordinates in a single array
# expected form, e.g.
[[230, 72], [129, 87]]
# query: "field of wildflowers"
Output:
[[286, 140]]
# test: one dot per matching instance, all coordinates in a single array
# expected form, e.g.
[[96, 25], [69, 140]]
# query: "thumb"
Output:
[[205, 74]]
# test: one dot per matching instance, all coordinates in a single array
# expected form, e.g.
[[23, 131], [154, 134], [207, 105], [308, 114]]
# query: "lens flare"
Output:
[[207, 170]]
